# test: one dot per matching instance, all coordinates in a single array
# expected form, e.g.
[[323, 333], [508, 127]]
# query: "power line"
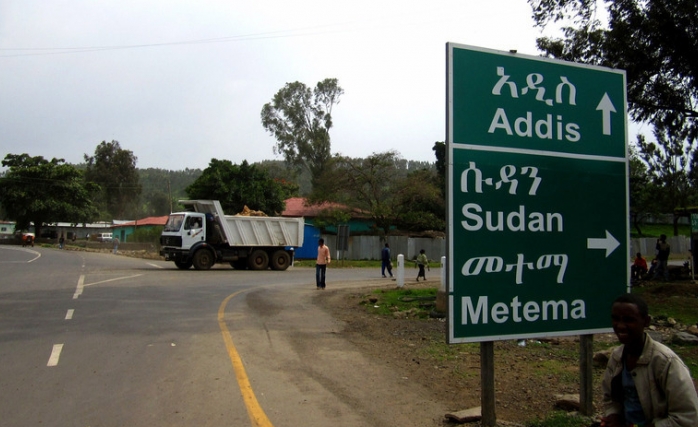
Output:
[[298, 32]]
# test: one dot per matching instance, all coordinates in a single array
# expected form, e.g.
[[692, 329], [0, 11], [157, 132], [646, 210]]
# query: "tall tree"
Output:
[[422, 203], [37, 190], [114, 169], [300, 119], [376, 186], [656, 42], [645, 194], [439, 149], [239, 186], [667, 162], [290, 179], [162, 188]]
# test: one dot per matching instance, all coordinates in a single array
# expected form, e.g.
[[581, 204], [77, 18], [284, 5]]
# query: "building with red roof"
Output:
[[125, 229]]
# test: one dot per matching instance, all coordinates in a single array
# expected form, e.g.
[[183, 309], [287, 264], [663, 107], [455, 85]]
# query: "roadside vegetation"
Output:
[[656, 230], [546, 358]]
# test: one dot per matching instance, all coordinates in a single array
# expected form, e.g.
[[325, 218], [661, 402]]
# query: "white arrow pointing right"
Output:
[[606, 106], [609, 243]]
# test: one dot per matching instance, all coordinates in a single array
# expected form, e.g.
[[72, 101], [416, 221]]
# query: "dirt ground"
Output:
[[527, 379]]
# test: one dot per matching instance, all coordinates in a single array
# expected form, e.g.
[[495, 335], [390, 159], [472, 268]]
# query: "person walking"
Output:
[[422, 263], [115, 242], [386, 263], [323, 258], [663, 251], [61, 240]]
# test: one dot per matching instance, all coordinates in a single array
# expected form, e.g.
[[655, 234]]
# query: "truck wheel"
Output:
[[259, 260], [280, 260], [203, 259], [183, 265]]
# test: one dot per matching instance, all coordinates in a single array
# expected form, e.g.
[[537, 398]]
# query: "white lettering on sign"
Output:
[[515, 221], [543, 128], [507, 175], [516, 311], [495, 264], [534, 83]]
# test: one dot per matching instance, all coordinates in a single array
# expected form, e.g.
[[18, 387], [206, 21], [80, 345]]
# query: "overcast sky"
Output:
[[181, 82]]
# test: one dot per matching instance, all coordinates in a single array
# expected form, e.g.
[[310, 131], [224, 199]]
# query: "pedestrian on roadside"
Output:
[[115, 242], [386, 263], [645, 383], [663, 251], [61, 240], [323, 258], [422, 263]]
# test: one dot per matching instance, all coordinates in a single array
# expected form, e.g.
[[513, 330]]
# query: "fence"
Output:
[[369, 247], [680, 246]]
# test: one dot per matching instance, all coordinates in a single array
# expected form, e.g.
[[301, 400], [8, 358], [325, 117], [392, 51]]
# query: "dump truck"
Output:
[[203, 236]]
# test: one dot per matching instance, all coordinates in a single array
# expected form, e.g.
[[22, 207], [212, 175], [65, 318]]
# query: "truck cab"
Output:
[[183, 231]]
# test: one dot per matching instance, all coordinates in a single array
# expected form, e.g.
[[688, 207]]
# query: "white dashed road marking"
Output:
[[80, 287], [55, 355]]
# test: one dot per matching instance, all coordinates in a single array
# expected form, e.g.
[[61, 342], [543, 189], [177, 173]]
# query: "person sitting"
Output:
[[653, 267], [639, 267], [645, 383]]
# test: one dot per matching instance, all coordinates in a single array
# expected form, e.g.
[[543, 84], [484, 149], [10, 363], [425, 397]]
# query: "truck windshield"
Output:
[[174, 223]]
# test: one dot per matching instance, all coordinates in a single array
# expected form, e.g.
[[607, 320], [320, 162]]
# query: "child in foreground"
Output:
[[646, 384]]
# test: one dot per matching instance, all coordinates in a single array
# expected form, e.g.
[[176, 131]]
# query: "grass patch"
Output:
[[388, 301], [357, 264], [561, 419], [675, 300], [656, 230]]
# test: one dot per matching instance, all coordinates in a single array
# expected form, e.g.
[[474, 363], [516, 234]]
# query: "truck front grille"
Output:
[[175, 241]]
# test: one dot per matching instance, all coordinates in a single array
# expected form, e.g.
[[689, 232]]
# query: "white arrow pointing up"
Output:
[[609, 243], [606, 106]]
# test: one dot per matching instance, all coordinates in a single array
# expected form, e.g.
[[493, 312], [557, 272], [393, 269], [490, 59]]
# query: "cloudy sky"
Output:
[[181, 82]]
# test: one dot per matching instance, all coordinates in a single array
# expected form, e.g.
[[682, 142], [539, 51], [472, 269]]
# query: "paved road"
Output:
[[92, 339]]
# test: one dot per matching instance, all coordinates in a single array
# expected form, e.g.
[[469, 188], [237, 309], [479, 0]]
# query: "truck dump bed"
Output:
[[264, 231], [252, 230]]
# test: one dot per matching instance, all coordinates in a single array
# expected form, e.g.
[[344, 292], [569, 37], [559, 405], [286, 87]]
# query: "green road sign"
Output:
[[537, 177]]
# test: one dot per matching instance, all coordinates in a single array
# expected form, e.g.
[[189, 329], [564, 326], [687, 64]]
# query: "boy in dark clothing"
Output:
[[663, 250], [385, 261], [646, 383]]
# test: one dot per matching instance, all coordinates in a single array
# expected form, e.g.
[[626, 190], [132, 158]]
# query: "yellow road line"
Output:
[[254, 410]]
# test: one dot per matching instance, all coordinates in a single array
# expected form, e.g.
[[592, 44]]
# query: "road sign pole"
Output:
[[586, 380], [487, 399]]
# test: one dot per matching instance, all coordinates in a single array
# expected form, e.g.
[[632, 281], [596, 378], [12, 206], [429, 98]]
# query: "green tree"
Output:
[[645, 194], [667, 165], [300, 119], [439, 149], [114, 169], [239, 186], [379, 187], [291, 180], [422, 204], [37, 190], [654, 41], [162, 188]]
